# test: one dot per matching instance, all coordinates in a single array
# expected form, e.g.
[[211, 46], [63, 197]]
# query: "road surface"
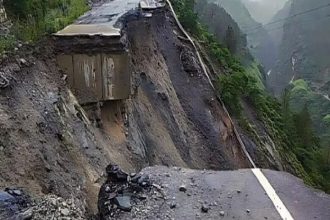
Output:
[[227, 195]]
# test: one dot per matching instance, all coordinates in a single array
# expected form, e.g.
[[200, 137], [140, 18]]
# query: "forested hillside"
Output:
[[303, 67]]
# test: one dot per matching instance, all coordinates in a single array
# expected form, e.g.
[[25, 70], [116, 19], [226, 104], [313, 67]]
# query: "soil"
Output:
[[185, 124]]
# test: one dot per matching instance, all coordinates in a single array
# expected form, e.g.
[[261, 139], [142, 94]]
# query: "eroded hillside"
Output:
[[51, 144]]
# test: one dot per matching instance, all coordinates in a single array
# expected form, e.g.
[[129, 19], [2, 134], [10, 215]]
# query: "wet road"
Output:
[[229, 195], [103, 19], [109, 12]]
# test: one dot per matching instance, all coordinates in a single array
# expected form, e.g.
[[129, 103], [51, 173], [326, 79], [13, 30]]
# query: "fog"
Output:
[[263, 10]]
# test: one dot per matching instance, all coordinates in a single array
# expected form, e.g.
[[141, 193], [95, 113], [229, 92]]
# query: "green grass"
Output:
[[34, 19], [7, 43]]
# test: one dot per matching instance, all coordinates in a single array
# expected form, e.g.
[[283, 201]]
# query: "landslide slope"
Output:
[[176, 111], [50, 145]]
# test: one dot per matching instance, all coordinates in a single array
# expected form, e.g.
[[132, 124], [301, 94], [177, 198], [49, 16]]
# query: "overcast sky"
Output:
[[263, 10]]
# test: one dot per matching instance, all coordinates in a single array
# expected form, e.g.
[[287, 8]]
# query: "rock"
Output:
[[222, 213], [65, 211], [238, 191], [183, 188], [144, 180], [107, 188], [26, 215], [163, 96], [116, 174], [248, 210], [53, 201], [205, 208], [16, 49], [64, 77], [173, 205], [23, 61], [143, 197], [123, 203], [17, 192]]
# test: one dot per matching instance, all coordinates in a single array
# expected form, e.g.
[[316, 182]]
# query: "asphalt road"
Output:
[[109, 12], [228, 195]]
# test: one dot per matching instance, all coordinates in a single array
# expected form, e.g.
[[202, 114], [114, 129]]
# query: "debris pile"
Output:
[[15, 204], [53, 207], [190, 62], [120, 191]]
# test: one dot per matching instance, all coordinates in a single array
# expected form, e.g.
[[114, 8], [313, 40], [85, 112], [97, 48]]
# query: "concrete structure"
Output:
[[97, 77], [95, 61], [92, 52]]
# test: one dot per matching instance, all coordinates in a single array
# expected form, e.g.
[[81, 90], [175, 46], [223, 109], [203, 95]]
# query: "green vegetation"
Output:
[[34, 18], [292, 132], [7, 42]]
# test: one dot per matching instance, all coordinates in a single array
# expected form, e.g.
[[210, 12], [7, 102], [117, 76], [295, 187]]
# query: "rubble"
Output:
[[4, 80], [53, 207], [183, 188], [205, 208], [16, 204], [120, 190], [190, 62]]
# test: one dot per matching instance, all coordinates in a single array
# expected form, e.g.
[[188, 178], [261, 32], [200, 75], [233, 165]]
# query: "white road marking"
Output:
[[280, 207]]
